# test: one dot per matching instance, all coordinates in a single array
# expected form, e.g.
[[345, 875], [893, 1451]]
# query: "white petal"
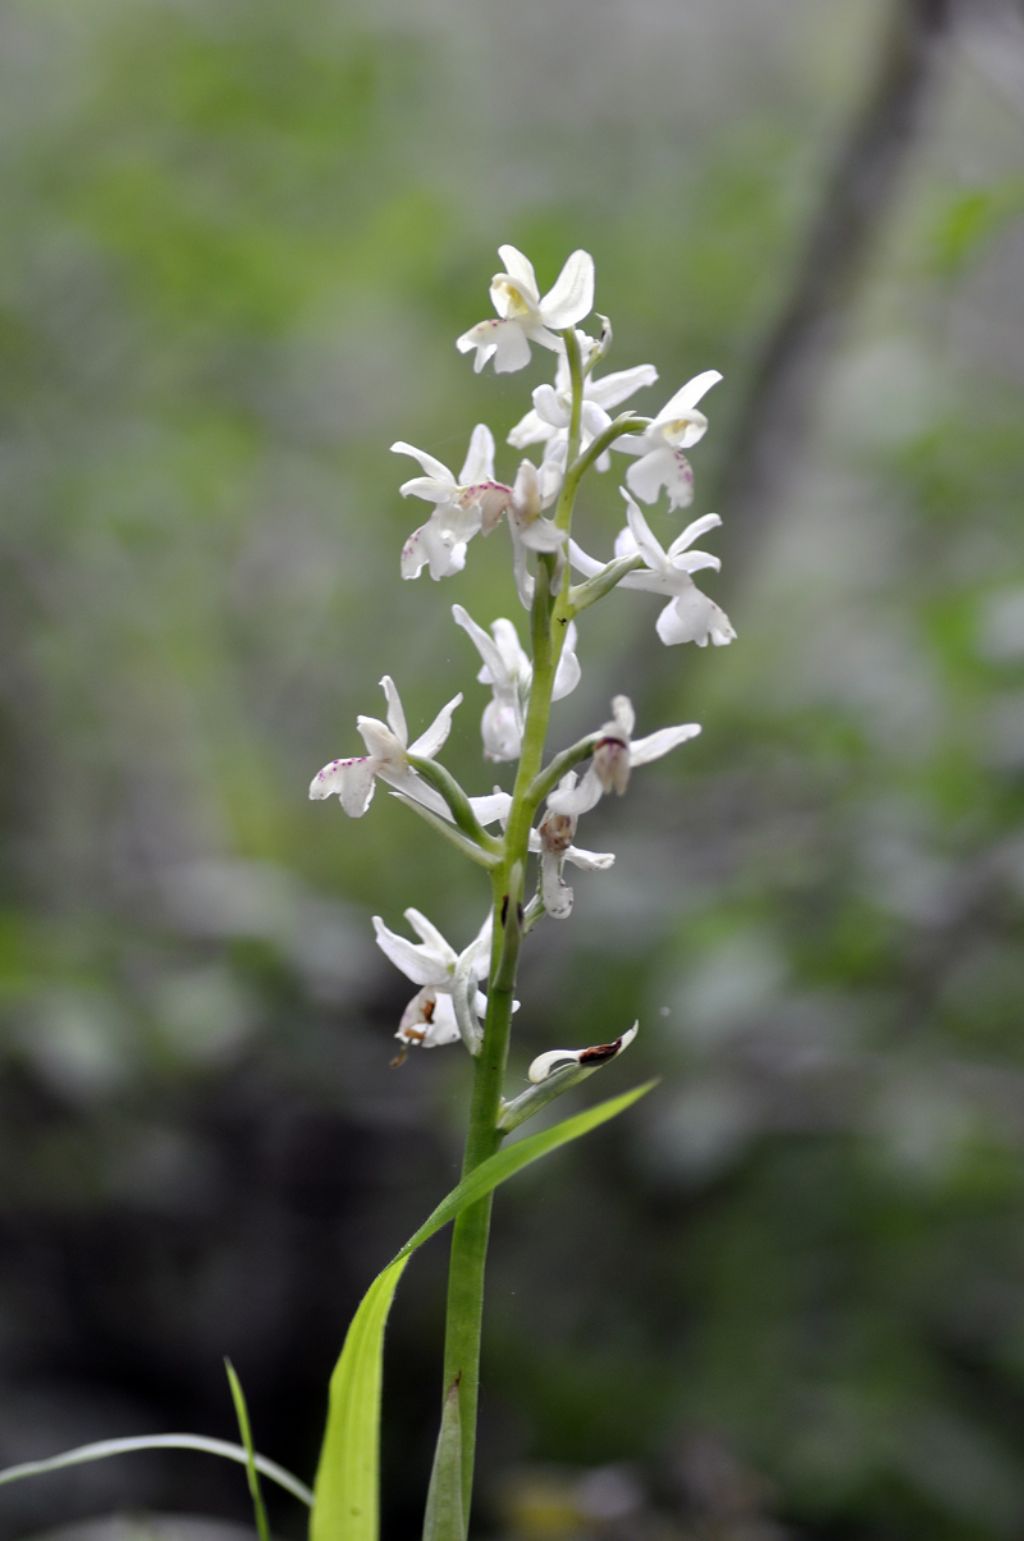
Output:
[[429, 488], [436, 544], [428, 743], [517, 664], [418, 963], [479, 464], [511, 347], [494, 663], [643, 750], [702, 526], [685, 432], [557, 895], [519, 267], [623, 719], [492, 808], [590, 861], [573, 799], [611, 390], [662, 467], [502, 729], [523, 580], [688, 395], [531, 429], [428, 1022], [384, 747], [571, 296], [692, 617], [550, 408], [646, 543], [587, 565], [434, 469], [567, 675], [481, 338], [350, 780], [542, 535], [552, 469], [625, 543], [697, 562], [396, 716], [428, 933], [593, 420]]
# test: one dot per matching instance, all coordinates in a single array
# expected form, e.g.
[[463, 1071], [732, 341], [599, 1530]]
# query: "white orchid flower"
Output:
[[388, 748], [553, 841], [661, 463], [506, 668], [463, 507], [523, 316], [448, 1005], [548, 422], [689, 616], [561, 1059], [616, 755]]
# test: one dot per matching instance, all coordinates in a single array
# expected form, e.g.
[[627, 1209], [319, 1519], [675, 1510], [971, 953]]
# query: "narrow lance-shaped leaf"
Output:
[[346, 1504]]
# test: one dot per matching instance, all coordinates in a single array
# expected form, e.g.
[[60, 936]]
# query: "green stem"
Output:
[[548, 619]]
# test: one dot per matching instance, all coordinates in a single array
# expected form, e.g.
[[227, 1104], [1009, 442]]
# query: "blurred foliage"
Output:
[[239, 241]]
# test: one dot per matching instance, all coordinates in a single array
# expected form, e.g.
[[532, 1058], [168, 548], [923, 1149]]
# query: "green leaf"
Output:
[[105, 1449], [242, 1414], [346, 1504], [345, 1507], [443, 1520]]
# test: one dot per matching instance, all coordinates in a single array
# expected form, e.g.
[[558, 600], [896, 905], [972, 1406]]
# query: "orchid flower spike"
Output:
[[523, 316], [549, 1064], [448, 1005], [689, 616], [616, 754], [506, 668], [387, 744], [462, 508], [553, 841], [661, 462]]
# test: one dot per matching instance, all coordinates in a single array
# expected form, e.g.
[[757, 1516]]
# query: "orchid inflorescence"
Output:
[[467, 996], [571, 423]]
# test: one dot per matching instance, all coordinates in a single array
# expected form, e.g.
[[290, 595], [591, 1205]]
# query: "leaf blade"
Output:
[[346, 1492]]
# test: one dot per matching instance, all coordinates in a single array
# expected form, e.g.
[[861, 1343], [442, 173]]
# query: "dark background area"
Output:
[[783, 1298]]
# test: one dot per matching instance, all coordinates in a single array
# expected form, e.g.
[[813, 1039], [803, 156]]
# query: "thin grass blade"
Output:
[[242, 1414], [105, 1449]]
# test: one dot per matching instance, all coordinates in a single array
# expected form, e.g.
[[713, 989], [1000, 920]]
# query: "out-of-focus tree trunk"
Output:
[[775, 411]]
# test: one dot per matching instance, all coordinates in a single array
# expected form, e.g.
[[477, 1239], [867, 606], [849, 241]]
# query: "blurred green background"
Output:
[[785, 1298]]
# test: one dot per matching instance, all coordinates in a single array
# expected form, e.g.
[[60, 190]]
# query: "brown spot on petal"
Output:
[[600, 1052]]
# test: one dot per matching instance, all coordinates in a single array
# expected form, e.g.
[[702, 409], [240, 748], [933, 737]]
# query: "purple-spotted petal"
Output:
[[349, 780]]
